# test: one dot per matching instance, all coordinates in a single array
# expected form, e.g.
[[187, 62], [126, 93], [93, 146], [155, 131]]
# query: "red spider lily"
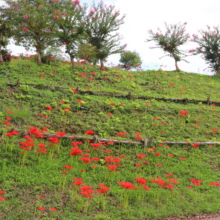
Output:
[[196, 145], [169, 175], [86, 159], [12, 133], [95, 159], [140, 156], [60, 134], [93, 73], [196, 182], [69, 167], [169, 186], [174, 181], [157, 154], [214, 183], [48, 107], [171, 155], [138, 136], [145, 187], [112, 167], [86, 191], [126, 185], [41, 208], [43, 116], [182, 158], [121, 134], [147, 103], [183, 113], [8, 118], [89, 132], [6, 122], [78, 182], [122, 156], [75, 151], [138, 165], [111, 103], [111, 159], [62, 102], [159, 164], [110, 142], [141, 180], [171, 84], [109, 114], [74, 90], [53, 209], [53, 140]]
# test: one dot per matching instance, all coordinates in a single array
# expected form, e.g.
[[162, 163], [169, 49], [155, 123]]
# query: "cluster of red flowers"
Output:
[[7, 118], [48, 107], [86, 191], [12, 133], [122, 134], [1, 192], [138, 136], [196, 182], [183, 113], [43, 116]]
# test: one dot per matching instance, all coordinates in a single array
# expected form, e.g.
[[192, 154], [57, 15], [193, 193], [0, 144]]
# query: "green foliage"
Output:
[[98, 28], [87, 51], [130, 59]]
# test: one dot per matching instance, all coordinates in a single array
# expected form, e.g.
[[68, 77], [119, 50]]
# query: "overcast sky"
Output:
[[142, 16]]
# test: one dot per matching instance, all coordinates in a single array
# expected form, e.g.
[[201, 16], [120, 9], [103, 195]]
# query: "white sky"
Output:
[[143, 15]]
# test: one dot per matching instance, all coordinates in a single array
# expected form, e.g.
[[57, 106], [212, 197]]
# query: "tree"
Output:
[[87, 51], [71, 27], [210, 42], [34, 24], [5, 28], [130, 59], [170, 43], [99, 23]]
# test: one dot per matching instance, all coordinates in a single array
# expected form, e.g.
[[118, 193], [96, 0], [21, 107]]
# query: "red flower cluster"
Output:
[[214, 183], [78, 181], [43, 116], [86, 191], [126, 185], [89, 132], [85, 159], [103, 188], [12, 133], [48, 107], [138, 136], [183, 113], [122, 134], [140, 156], [141, 180], [196, 182]]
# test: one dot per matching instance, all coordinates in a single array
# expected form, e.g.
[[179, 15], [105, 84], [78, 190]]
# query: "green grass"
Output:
[[28, 174]]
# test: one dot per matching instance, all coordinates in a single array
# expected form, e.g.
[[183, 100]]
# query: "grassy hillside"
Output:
[[181, 180]]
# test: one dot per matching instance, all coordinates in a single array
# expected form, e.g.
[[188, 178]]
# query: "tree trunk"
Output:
[[39, 56], [217, 71], [101, 61], [71, 57], [1, 58], [177, 68]]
